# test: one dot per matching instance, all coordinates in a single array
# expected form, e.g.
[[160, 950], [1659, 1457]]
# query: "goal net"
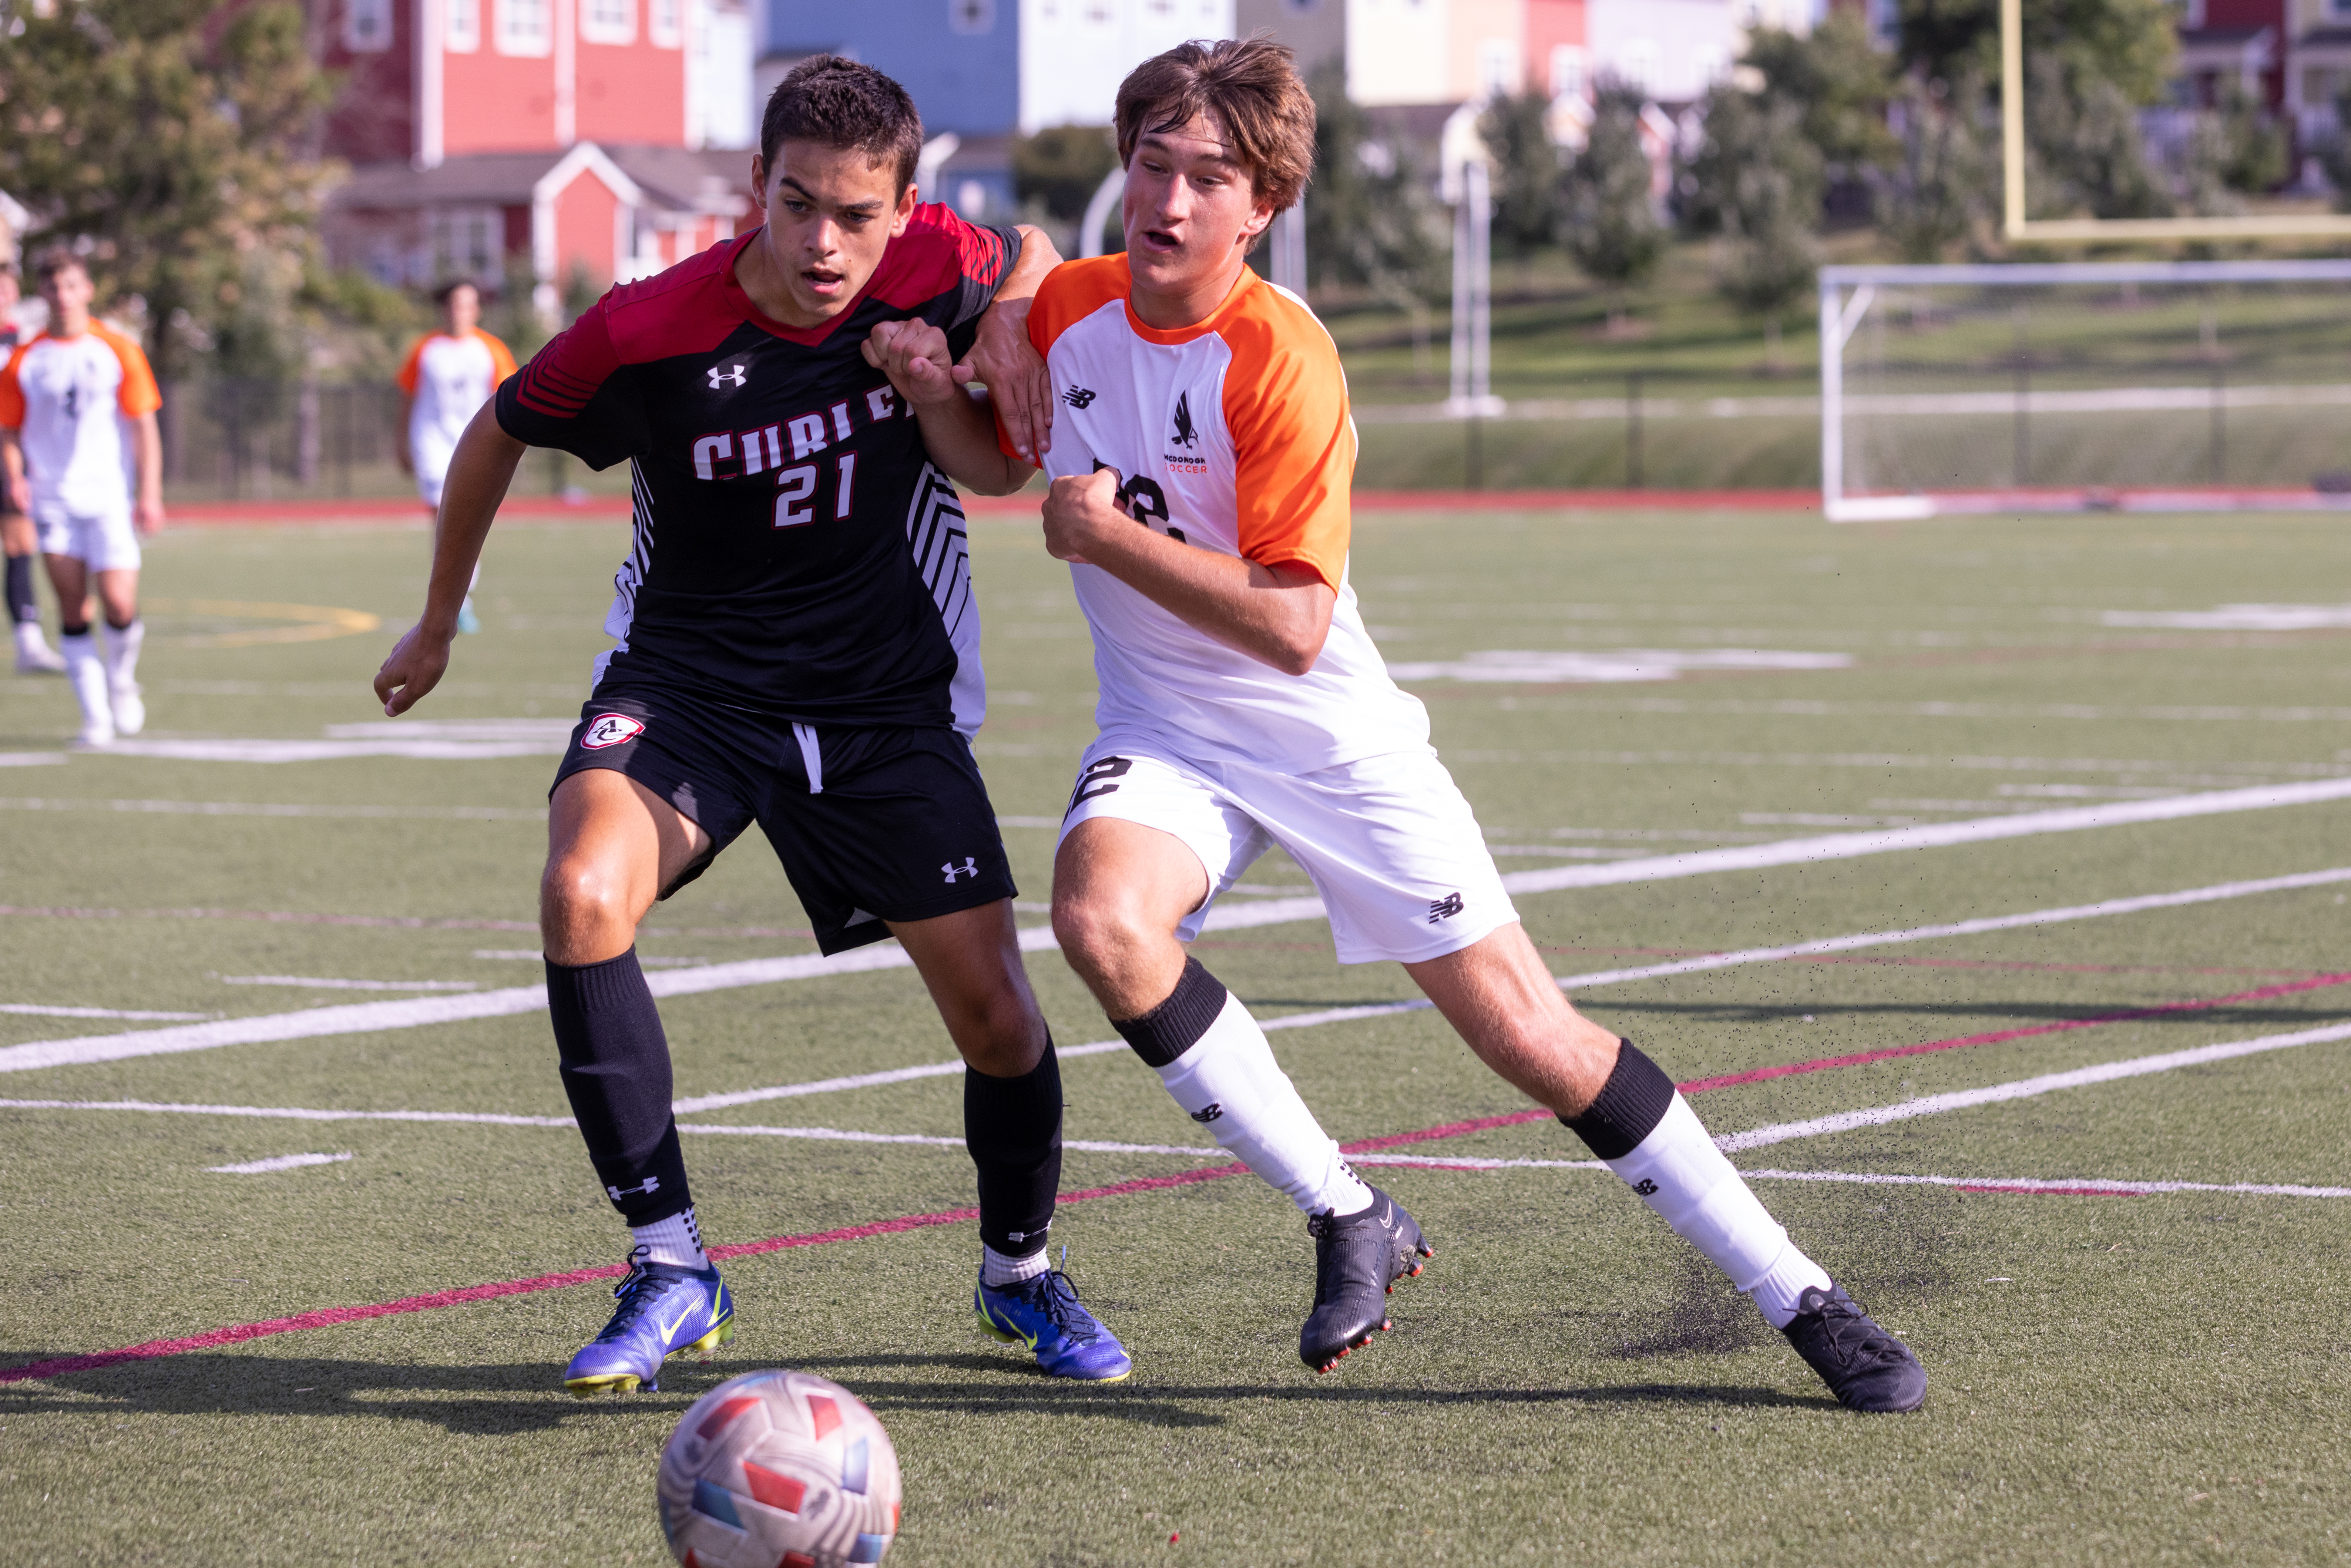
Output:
[[2154, 386]]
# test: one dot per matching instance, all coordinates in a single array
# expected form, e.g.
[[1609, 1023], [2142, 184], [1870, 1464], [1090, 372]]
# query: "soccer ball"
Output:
[[778, 1470]]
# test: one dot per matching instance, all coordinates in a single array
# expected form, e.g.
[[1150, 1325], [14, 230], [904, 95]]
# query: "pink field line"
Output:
[[1822, 1065], [329, 1317]]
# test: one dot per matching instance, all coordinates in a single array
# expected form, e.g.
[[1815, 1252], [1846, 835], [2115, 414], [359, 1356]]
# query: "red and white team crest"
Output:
[[610, 729]]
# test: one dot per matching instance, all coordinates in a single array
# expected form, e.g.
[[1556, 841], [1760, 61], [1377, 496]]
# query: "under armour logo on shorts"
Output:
[[1445, 908], [970, 868], [724, 375]]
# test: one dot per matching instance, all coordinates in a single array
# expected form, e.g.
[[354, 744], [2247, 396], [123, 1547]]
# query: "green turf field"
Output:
[[2118, 1378]]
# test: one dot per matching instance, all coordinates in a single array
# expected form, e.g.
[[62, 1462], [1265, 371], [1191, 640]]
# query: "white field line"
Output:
[[279, 1163], [37, 1011], [361, 1018], [2026, 1088], [315, 983], [290, 1112], [31, 758], [267, 809], [2038, 1184]]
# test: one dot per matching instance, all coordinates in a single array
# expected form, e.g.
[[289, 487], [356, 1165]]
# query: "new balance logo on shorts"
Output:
[[1078, 397], [610, 729], [1445, 908], [970, 868], [1209, 1112]]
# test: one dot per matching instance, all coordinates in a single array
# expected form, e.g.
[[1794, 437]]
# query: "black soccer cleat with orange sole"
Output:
[[1866, 1367], [1358, 1259]]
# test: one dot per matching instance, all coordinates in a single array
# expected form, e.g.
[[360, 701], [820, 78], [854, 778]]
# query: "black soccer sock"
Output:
[[1013, 1127], [23, 605], [615, 1068], [1628, 1107]]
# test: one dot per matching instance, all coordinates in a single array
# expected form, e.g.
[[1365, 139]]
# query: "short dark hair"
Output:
[[53, 262], [847, 106], [1251, 86], [440, 296]]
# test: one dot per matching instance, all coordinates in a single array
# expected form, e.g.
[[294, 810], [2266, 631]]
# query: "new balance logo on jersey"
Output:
[[970, 868], [724, 375], [650, 1186], [1645, 1187], [1445, 908], [1078, 397], [1187, 432], [610, 729], [1209, 1112]]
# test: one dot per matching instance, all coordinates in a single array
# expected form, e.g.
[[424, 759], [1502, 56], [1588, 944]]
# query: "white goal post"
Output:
[[2218, 386]]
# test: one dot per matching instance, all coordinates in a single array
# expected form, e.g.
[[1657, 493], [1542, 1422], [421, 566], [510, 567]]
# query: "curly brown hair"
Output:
[[1247, 86]]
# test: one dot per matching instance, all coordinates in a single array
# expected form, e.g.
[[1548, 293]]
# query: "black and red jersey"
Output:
[[796, 553]]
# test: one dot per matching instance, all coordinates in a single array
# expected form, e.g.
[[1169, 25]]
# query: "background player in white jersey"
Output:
[[74, 403], [1200, 479], [444, 383], [34, 654]]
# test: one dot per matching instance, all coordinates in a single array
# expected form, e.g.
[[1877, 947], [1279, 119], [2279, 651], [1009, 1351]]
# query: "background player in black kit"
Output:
[[799, 647]]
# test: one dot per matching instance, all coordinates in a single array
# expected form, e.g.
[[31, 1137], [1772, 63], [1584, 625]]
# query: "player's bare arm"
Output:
[[12, 471], [1278, 615], [479, 474], [958, 426], [148, 454], [1005, 362]]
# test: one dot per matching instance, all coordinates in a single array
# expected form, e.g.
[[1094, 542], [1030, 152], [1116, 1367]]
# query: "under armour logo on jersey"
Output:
[[1078, 397], [649, 1186], [1186, 433], [610, 729], [970, 868], [1209, 1112], [1645, 1187], [724, 375], [1445, 908]]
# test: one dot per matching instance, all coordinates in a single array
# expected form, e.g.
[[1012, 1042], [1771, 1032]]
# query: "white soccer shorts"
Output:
[[1390, 843], [103, 543]]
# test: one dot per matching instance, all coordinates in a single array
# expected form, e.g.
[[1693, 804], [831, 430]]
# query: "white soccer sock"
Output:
[[87, 676], [676, 1240], [1229, 1082], [998, 1270], [122, 646], [1679, 1172]]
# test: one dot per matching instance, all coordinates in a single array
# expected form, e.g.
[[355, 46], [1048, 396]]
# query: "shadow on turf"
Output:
[[206, 1385]]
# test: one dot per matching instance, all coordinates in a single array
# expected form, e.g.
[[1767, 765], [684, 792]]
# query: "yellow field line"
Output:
[[312, 623]]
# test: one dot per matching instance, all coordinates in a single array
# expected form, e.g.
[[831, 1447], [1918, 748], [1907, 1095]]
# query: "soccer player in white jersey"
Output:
[[444, 383], [74, 403], [34, 654], [1200, 476]]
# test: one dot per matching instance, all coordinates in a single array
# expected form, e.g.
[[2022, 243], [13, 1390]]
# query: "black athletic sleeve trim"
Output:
[[577, 396]]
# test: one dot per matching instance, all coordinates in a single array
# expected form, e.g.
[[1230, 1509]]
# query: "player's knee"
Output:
[[580, 895], [1097, 933]]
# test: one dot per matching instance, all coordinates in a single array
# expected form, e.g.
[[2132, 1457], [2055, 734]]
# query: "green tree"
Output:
[[1370, 217], [1939, 188], [1608, 222], [1839, 79], [2253, 144], [1516, 128], [1063, 166], [2333, 151], [1757, 181], [176, 139]]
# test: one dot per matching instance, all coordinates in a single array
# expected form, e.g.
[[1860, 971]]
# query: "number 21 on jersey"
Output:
[[795, 489]]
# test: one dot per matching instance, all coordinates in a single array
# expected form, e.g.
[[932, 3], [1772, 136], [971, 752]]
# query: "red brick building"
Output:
[[601, 139]]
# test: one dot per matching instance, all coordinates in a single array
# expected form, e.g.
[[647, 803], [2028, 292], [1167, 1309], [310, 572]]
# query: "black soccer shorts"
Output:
[[871, 824]]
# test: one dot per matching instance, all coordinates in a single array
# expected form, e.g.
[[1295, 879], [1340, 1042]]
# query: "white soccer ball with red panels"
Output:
[[778, 1470]]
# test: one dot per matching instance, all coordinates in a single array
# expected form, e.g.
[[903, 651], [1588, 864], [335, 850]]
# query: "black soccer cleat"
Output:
[[1866, 1367], [1358, 1259]]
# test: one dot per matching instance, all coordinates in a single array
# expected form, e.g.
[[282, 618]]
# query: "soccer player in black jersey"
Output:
[[798, 648]]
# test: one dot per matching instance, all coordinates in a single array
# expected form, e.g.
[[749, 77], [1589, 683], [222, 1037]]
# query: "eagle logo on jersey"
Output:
[[1187, 432], [724, 375], [610, 729]]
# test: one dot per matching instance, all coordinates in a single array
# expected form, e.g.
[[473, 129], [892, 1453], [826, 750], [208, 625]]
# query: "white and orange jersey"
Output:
[[71, 401], [1231, 435], [450, 380]]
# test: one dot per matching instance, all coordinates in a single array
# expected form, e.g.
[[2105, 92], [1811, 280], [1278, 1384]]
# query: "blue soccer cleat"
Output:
[[1043, 1313], [665, 1310]]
